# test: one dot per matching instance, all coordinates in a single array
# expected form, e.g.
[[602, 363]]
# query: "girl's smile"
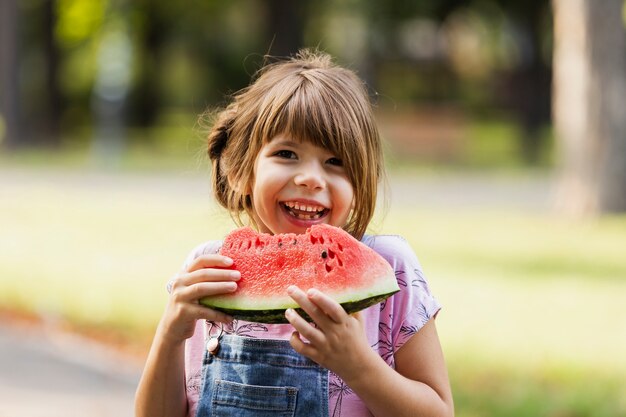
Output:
[[298, 184], [305, 211]]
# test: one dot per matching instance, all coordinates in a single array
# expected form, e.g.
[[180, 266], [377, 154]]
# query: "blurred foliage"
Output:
[[474, 56]]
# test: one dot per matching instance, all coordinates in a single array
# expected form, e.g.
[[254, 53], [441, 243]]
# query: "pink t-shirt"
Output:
[[388, 325]]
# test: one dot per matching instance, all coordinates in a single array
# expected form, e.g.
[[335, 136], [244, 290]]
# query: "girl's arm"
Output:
[[419, 384], [161, 390]]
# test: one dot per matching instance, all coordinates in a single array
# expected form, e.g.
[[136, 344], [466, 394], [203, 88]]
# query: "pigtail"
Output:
[[217, 142]]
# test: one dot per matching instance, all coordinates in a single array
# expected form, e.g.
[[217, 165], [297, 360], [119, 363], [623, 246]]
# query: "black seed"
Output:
[[324, 254]]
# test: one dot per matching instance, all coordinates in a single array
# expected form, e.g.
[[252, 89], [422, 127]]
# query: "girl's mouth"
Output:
[[302, 211]]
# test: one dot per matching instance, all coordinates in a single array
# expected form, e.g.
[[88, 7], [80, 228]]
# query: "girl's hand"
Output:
[[205, 276], [337, 342]]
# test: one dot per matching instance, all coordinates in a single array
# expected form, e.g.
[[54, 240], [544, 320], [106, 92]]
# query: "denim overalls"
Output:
[[250, 377]]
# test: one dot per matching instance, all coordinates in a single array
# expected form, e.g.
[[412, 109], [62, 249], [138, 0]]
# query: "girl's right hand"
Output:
[[205, 276]]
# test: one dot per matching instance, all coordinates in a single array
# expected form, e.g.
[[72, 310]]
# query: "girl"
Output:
[[297, 147]]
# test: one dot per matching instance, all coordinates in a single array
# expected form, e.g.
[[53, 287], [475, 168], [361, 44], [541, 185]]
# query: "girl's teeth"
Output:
[[305, 212], [303, 207]]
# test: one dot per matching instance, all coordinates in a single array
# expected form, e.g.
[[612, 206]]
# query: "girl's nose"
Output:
[[311, 176]]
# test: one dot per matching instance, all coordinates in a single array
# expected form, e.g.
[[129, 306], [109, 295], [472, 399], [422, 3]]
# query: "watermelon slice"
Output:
[[325, 257]]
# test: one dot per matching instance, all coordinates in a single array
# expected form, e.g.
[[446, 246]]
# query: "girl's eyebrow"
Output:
[[285, 142]]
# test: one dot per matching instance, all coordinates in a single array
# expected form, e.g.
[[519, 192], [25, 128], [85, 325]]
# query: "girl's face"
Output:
[[297, 185]]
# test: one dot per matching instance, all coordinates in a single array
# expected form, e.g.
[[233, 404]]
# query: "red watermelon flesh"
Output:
[[325, 257]]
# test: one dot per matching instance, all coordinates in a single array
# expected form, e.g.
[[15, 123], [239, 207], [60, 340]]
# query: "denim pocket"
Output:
[[241, 400]]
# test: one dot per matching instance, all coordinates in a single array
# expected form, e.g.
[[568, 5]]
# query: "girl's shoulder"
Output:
[[390, 247], [208, 247], [205, 248]]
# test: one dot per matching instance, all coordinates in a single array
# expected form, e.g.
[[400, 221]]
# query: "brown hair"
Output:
[[309, 98]]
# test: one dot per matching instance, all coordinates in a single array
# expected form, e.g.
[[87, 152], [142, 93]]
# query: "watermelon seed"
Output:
[[324, 254], [295, 242]]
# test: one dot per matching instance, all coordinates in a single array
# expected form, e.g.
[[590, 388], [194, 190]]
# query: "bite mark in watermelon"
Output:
[[325, 257]]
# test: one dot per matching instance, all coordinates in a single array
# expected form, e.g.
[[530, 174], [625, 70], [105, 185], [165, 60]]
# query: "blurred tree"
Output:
[[286, 21], [50, 133], [501, 58], [9, 73], [528, 83], [32, 73], [590, 104], [151, 30]]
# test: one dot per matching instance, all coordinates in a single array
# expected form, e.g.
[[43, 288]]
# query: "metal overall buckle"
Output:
[[213, 344]]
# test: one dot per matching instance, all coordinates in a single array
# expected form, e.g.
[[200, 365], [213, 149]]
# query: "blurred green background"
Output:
[[104, 184]]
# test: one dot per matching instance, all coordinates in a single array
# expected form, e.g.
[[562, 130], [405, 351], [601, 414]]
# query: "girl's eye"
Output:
[[286, 154], [335, 161]]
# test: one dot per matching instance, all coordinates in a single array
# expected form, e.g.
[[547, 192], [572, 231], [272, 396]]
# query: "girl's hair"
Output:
[[308, 98]]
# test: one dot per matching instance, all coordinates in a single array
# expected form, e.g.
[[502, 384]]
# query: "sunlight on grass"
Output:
[[97, 253], [533, 317], [526, 287]]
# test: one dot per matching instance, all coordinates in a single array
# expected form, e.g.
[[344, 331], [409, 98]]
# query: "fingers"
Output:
[[193, 293], [300, 346], [210, 261], [209, 314], [307, 305], [206, 268], [317, 305], [303, 327], [205, 277], [329, 306]]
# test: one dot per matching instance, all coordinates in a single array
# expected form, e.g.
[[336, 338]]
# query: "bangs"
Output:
[[323, 116]]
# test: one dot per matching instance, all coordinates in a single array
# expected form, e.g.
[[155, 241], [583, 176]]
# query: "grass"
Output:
[[533, 318]]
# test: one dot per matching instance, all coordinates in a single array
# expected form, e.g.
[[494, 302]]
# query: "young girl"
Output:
[[297, 147]]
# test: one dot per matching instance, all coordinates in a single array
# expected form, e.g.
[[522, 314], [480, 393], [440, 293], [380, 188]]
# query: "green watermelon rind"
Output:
[[277, 315], [265, 308]]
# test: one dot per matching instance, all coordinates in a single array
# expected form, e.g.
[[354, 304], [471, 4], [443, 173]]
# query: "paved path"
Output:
[[47, 373], [462, 190]]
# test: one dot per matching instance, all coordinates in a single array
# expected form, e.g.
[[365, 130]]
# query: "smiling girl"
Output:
[[298, 147]]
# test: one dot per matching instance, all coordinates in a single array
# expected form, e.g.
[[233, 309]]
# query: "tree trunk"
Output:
[[9, 70], [51, 135], [589, 105], [285, 26]]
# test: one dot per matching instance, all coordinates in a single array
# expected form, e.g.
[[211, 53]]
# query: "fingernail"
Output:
[[232, 286], [291, 290], [235, 275], [289, 312], [312, 292], [228, 261]]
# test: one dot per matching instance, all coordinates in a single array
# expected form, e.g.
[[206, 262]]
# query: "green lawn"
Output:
[[534, 314]]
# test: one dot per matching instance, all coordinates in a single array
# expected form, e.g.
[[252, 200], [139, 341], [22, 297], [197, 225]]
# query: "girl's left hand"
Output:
[[337, 342]]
